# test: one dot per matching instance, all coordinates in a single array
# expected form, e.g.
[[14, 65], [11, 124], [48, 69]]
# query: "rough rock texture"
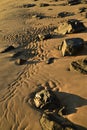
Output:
[[70, 26], [55, 122], [72, 46], [79, 66], [46, 99]]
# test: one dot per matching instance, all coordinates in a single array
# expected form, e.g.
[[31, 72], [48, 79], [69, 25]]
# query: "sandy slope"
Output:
[[17, 82]]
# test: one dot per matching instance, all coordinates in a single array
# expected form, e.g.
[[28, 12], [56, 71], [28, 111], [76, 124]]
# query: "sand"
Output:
[[17, 82]]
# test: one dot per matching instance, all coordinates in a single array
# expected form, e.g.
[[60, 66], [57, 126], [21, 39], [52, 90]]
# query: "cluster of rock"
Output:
[[52, 116]]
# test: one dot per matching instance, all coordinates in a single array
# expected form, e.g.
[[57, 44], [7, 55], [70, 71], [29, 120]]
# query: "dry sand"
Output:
[[17, 82]]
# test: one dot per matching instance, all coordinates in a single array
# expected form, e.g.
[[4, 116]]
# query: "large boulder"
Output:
[[70, 26], [46, 99], [72, 46], [79, 66]]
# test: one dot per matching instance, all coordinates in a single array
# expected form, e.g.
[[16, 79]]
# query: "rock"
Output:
[[9, 48], [70, 26], [46, 99], [55, 122], [65, 14], [44, 4], [20, 61], [28, 5], [73, 2], [44, 36], [50, 60], [79, 66], [72, 46], [82, 9], [47, 124]]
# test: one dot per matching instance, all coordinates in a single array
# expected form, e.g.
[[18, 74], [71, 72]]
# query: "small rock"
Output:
[[28, 5], [73, 2], [72, 46], [44, 36], [20, 61], [50, 60], [44, 4], [65, 14]]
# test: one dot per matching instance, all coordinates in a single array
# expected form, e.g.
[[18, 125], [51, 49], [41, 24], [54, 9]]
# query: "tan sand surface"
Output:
[[17, 82]]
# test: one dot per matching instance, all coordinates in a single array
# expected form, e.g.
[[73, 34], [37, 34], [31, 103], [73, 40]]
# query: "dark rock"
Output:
[[44, 36], [46, 99], [65, 14], [72, 46], [82, 9], [44, 4], [9, 48], [79, 66], [73, 2], [50, 60], [21, 61], [28, 5], [70, 26]]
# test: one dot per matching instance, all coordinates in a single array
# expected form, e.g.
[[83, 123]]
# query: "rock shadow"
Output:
[[71, 102]]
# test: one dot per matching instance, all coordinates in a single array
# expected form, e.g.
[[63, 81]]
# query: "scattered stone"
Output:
[[20, 61], [44, 4], [46, 99], [44, 36], [73, 2], [50, 60], [28, 5], [82, 9], [72, 46], [79, 66], [55, 122], [70, 26], [9, 48], [65, 14]]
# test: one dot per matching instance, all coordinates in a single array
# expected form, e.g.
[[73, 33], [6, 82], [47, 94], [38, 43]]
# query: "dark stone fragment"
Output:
[[65, 14], [73, 2], [72, 46], [28, 5], [44, 36], [50, 60], [20, 61], [77, 26], [44, 4], [82, 9], [9, 48]]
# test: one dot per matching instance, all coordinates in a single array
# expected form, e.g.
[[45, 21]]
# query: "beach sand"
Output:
[[19, 26]]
